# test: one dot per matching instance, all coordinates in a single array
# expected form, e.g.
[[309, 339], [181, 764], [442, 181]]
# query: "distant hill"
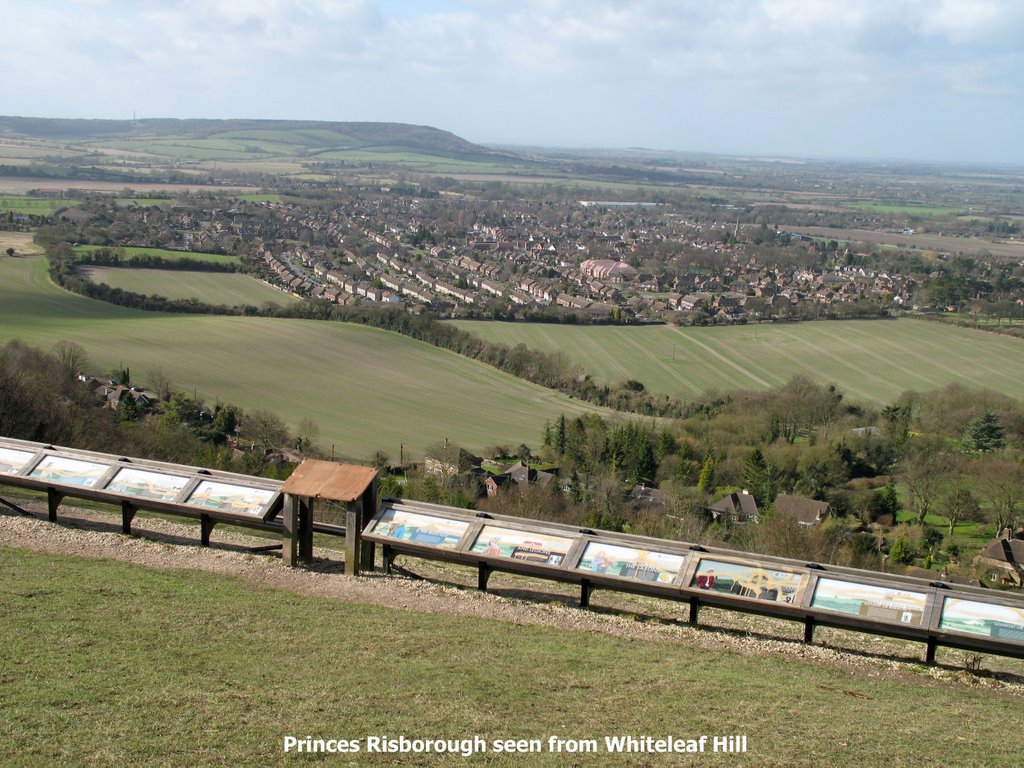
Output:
[[308, 135]]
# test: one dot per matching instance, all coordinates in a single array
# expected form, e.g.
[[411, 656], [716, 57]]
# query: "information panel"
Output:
[[522, 545], [56, 469], [233, 499], [1001, 622], [12, 462], [890, 604], [630, 563], [747, 581], [420, 529], [147, 485]]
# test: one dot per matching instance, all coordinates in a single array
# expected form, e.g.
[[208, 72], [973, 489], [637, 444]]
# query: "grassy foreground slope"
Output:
[[230, 288], [869, 360], [367, 389], [116, 664]]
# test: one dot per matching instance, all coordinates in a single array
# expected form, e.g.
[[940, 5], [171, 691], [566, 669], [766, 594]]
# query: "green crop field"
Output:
[[164, 253], [36, 206], [111, 664], [869, 360], [230, 288], [367, 389], [902, 208]]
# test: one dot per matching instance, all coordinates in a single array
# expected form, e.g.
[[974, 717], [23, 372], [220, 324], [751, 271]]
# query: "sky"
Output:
[[936, 80]]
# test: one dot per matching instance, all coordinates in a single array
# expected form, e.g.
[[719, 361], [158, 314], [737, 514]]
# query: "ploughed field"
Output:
[[367, 389], [869, 360]]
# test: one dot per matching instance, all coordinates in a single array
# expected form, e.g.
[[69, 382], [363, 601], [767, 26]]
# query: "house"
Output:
[[519, 474], [736, 507], [449, 464], [1004, 558], [806, 511]]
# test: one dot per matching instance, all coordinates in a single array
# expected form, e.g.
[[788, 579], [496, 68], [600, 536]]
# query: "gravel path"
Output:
[[450, 590]]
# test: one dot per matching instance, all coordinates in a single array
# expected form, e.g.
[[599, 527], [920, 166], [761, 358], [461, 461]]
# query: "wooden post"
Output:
[[206, 524], [585, 589], [353, 540], [305, 530], [929, 655], [127, 515], [53, 499], [809, 630], [387, 556], [289, 531], [483, 574], [694, 611], [367, 509]]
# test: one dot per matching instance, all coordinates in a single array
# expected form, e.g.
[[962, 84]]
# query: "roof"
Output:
[[1005, 550], [806, 511], [329, 480], [743, 505]]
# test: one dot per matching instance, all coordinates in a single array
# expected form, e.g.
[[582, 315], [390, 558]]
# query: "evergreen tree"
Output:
[[984, 434]]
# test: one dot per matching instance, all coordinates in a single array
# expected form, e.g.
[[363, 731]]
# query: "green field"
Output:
[[34, 206], [869, 360], [902, 208], [230, 288], [114, 664], [367, 389], [164, 253]]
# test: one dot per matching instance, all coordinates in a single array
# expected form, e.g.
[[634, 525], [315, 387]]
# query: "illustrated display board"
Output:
[[630, 563], [747, 581], [531, 547], [890, 604], [1001, 622], [12, 461], [62, 471], [234, 499], [147, 485], [420, 529]]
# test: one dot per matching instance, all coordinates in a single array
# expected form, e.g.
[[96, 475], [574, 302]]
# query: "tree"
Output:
[[959, 504], [264, 429], [1002, 481], [71, 355], [10, 251], [984, 434], [921, 470]]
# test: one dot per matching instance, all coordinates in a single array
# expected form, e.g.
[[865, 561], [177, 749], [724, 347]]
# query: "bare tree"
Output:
[[71, 355], [922, 470]]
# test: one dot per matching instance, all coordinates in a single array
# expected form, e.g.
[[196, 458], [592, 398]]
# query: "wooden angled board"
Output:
[[529, 545], [64, 470], [145, 484], [720, 578], [397, 525], [14, 460], [630, 562], [330, 480], [871, 601], [994, 619], [221, 498]]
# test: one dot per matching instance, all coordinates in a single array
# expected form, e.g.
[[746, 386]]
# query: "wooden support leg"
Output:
[[305, 532], [585, 589], [289, 531], [809, 630], [387, 555], [694, 611], [206, 524], [929, 655], [353, 540], [53, 500], [368, 508], [482, 575], [127, 515]]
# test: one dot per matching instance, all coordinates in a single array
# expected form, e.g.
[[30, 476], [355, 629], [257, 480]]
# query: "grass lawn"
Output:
[[367, 389], [132, 250], [230, 288], [115, 664], [869, 360]]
